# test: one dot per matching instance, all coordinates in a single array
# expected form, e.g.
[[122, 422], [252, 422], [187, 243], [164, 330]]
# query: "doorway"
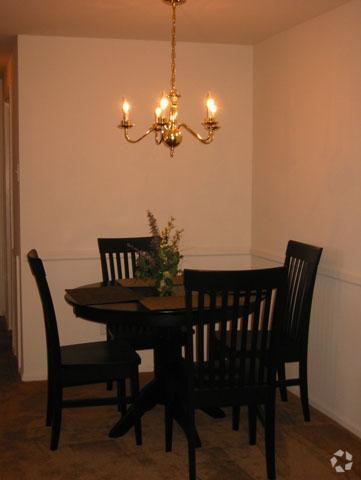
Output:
[[8, 261]]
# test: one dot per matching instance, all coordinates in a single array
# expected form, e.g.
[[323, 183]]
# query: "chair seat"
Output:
[[95, 353], [207, 383], [97, 362], [288, 349]]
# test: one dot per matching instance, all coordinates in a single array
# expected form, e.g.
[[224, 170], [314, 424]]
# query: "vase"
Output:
[[164, 284]]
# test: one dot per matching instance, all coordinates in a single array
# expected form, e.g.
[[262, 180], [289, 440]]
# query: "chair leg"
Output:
[[192, 462], [57, 399], [109, 384], [304, 390], [49, 407], [281, 370], [168, 421], [252, 424], [235, 417], [134, 386], [191, 445], [270, 437], [122, 396]]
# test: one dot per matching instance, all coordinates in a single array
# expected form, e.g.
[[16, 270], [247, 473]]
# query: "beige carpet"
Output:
[[86, 452]]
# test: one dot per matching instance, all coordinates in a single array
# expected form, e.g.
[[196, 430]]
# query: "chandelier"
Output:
[[166, 128]]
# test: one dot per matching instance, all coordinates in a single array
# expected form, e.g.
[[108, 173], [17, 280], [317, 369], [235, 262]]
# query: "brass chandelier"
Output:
[[166, 128]]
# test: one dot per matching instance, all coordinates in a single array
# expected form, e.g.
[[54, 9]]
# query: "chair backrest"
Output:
[[118, 256], [234, 315], [301, 263], [51, 328]]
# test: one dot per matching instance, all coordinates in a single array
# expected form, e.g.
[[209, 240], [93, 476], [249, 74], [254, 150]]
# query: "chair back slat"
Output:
[[118, 256], [126, 266], [211, 356], [113, 276], [133, 260], [263, 331], [118, 263], [200, 333], [235, 315], [222, 330], [51, 328], [234, 337], [255, 333], [301, 263], [243, 331]]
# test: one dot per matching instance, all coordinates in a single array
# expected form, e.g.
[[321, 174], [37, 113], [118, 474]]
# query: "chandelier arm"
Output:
[[206, 141], [128, 139]]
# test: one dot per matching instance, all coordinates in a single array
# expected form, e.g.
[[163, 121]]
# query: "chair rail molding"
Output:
[[323, 270], [187, 251]]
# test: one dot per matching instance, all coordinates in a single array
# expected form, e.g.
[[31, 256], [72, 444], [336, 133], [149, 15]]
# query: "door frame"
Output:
[[3, 276], [11, 287]]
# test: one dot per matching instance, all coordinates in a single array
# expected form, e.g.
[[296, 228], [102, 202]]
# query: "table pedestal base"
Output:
[[148, 398]]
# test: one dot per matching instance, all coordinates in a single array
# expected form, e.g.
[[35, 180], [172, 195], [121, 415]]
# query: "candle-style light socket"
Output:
[[210, 124], [126, 124], [160, 124], [174, 2]]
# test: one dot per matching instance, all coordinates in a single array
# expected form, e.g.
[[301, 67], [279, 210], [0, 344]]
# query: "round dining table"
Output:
[[139, 309]]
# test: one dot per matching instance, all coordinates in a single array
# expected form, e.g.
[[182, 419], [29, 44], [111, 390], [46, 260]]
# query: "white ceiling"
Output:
[[211, 21]]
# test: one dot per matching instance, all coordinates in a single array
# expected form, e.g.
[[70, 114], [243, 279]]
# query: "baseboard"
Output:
[[40, 377], [33, 377], [318, 405], [336, 418]]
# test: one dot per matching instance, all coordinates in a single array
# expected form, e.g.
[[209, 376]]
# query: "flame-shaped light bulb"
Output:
[[158, 113], [164, 103], [126, 109], [211, 108]]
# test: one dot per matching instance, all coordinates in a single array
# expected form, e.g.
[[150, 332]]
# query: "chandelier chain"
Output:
[[174, 26]]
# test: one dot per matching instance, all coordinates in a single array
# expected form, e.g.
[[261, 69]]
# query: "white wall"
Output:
[[306, 186], [79, 180]]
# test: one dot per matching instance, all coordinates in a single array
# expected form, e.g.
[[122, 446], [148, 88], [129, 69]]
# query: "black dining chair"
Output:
[[81, 364], [301, 263], [118, 257], [215, 374]]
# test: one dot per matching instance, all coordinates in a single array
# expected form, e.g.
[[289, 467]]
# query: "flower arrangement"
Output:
[[161, 263]]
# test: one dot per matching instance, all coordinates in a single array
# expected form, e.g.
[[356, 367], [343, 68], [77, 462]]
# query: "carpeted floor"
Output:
[[86, 452]]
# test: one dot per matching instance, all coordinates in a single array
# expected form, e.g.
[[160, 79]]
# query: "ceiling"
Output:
[[243, 22]]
